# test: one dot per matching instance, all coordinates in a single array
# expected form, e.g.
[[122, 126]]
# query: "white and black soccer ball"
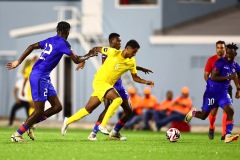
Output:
[[173, 134]]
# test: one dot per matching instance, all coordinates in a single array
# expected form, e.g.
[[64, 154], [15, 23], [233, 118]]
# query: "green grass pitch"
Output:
[[140, 145]]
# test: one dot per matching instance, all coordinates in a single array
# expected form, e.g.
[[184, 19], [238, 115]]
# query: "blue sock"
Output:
[[229, 127], [119, 126], [22, 129], [95, 128]]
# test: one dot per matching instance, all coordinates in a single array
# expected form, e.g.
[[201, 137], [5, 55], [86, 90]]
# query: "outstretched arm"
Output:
[[145, 70], [14, 64], [136, 78], [78, 59]]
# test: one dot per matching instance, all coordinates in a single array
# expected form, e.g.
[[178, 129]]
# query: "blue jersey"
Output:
[[225, 68], [216, 93], [54, 48], [41, 86]]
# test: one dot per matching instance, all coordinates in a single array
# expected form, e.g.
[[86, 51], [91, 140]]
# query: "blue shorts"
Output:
[[214, 99], [122, 92], [41, 87]]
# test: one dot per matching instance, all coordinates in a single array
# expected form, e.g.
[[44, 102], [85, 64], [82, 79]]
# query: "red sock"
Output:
[[224, 120], [211, 121]]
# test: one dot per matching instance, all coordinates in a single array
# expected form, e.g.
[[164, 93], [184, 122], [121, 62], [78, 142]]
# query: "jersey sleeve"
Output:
[[107, 50], [133, 70], [218, 65], [208, 67], [66, 49], [42, 44]]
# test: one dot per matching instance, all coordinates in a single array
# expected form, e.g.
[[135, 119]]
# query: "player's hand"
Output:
[[80, 66], [146, 71], [150, 83], [12, 65], [92, 53], [237, 94], [232, 76]]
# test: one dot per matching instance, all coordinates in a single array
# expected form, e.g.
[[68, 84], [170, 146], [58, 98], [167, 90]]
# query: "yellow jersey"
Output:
[[27, 73], [114, 66]]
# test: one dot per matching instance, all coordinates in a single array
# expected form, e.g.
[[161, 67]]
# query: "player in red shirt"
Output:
[[220, 49]]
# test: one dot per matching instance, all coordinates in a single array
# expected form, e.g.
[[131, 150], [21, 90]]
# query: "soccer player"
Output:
[[216, 93], [115, 42], [220, 49], [41, 86], [117, 63]]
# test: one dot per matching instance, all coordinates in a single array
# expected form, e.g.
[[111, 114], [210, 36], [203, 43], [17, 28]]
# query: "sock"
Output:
[[119, 126], [111, 110], [95, 128], [211, 121], [42, 118], [229, 127], [22, 129], [77, 116], [194, 113], [224, 121]]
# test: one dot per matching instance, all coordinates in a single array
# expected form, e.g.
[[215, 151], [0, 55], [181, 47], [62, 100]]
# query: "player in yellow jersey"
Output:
[[115, 42], [117, 63]]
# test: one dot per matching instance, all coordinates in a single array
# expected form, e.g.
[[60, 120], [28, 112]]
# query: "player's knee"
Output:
[[230, 112], [58, 108], [118, 100]]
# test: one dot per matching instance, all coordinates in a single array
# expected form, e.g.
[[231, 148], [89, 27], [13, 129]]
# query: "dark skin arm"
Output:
[[215, 76], [145, 70], [74, 58], [138, 79]]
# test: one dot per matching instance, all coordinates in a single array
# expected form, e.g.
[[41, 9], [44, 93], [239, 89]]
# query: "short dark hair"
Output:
[[132, 43], [220, 42], [232, 46], [113, 35], [63, 26]]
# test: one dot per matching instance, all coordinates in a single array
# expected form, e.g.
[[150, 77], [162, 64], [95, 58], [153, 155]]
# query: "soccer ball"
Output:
[[173, 134]]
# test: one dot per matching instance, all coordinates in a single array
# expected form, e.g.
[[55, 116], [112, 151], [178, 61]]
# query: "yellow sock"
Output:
[[111, 110], [30, 110], [77, 116]]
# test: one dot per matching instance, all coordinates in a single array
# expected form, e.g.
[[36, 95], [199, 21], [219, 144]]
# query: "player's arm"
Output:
[[206, 75], [145, 70], [78, 59], [138, 79], [215, 76], [14, 64], [237, 85]]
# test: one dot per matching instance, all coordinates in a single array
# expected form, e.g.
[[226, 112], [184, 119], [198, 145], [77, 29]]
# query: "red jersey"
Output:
[[210, 63]]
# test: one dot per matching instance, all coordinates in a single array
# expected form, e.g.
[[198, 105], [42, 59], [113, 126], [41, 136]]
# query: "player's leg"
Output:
[[229, 124], [93, 134], [127, 112], [92, 104], [116, 102], [208, 103], [39, 110], [224, 120], [15, 107], [212, 119]]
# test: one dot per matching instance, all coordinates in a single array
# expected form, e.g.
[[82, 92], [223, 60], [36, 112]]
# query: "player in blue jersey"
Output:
[[115, 42], [41, 87], [216, 93]]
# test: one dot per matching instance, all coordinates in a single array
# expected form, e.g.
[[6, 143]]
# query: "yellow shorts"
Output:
[[100, 88]]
